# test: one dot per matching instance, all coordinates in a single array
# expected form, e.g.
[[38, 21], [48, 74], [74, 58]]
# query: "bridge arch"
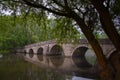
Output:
[[80, 59], [31, 53], [40, 53], [56, 50], [110, 52], [78, 50]]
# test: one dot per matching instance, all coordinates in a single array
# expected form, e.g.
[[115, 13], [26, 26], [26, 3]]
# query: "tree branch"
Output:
[[35, 5], [66, 3], [108, 4], [56, 2], [98, 1]]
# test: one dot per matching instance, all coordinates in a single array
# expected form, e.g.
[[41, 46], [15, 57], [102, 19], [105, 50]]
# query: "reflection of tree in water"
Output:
[[57, 60], [54, 76], [15, 68], [79, 58]]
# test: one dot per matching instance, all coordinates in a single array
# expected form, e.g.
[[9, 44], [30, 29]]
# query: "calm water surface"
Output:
[[15, 67]]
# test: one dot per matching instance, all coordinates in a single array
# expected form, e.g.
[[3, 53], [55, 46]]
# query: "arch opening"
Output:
[[56, 50], [31, 53], [80, 59], [40, 54], [40, 51], [91, 57]]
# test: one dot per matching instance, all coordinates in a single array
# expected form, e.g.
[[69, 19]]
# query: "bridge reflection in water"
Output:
[[74, 65]]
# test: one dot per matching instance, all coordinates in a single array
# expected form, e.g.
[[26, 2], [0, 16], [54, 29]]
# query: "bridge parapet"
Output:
[[102, 41], [81, 41], [40, 43], [105, 41]]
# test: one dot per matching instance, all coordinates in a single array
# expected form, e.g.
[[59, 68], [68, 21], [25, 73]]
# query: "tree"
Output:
[[84, 13], [20, 31]]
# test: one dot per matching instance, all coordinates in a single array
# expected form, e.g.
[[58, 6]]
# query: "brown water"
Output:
[[15, 67]]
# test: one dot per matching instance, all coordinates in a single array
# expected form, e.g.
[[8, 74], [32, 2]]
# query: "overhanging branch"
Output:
[[56, 2], [35, 5]]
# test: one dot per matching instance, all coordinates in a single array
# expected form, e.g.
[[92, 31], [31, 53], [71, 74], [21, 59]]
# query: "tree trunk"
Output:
[[110, 30], [105, 69], [115, 61], [107, 23]]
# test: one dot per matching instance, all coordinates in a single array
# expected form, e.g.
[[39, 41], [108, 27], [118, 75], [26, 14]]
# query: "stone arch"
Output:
[[56, 50], [110, 52], [31, 53], [79, 59], [40, 53], [78, 50]]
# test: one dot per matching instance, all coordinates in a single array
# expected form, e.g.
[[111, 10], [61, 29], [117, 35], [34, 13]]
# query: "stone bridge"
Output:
[[53, 48], [41, 52]]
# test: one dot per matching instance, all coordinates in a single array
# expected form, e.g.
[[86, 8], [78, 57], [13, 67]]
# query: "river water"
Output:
[[17, 67]]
